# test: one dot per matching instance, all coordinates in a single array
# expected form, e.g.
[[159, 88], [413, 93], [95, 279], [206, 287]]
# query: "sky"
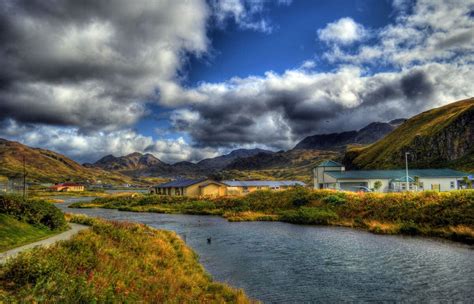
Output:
[[192, 79]]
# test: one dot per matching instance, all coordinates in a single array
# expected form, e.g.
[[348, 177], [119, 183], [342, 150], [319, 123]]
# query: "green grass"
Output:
[[14, 233], [113, 262]]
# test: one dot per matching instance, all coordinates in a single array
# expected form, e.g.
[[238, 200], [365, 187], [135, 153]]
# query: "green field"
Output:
[[14, 233]]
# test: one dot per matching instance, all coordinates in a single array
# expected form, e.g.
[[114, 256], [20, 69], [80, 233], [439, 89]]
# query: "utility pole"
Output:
[[406, 168], [24, 177]]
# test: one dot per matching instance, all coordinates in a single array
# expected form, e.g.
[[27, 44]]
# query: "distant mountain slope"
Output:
[[220, 162], [140, 165], [292, 164], [441, 137], [48, 166], [133, 161], [337, 141]]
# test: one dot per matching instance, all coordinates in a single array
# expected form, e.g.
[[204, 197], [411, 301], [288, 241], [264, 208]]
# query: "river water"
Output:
[[281, 263]]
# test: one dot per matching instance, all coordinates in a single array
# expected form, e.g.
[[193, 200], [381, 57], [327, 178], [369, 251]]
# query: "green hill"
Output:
[[48, 166], [441, 137]]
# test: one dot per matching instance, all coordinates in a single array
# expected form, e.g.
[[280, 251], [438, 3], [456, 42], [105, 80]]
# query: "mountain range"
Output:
[[441, 137]]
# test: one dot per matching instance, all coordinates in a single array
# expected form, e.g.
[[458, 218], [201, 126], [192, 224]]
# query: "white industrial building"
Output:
[[332, 175]]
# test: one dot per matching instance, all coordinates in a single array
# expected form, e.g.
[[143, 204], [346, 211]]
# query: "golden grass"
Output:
[[249, 216]]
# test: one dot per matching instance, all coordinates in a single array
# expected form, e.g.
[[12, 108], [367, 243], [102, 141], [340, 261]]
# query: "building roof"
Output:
[[330, 163], [395, 174], [69, 184], [232, 183], [181, 183]]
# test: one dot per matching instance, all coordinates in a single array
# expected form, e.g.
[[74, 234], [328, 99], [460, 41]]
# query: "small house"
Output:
[[191, 187], [67, 187]]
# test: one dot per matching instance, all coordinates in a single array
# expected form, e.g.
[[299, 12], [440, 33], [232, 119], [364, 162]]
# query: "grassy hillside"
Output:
[[441, 137], [113, 263], [47, 166], [14, 233]]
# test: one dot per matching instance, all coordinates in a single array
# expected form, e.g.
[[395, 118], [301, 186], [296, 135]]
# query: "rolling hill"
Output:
[[47, 166], [441, 137]]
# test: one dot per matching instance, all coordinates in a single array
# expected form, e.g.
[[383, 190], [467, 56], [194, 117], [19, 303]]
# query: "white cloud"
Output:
[[92, 146], [247, 14], [343, 31], [432, 31]]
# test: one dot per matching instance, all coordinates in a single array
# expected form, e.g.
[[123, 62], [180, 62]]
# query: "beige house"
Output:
[[191, 187], [211, 188], [333, 175]]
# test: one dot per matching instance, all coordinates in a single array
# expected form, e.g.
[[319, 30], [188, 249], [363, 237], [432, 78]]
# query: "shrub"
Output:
[[307, 215], [35, 212], [334, 200], [409, 228]]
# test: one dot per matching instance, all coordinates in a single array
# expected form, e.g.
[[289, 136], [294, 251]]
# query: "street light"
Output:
[[406, 168]]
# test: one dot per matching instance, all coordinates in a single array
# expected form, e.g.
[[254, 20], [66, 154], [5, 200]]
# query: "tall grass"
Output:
[[113, 263]]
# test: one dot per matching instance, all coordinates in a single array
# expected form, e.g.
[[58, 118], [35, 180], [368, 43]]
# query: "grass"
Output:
[[446, 214], [14, 233], [113, 262]]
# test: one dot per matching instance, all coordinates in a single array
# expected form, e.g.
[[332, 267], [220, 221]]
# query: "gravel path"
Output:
[[66, 235]]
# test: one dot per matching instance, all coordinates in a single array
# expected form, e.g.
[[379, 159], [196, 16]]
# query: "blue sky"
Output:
[[240, 53], [186, 80]]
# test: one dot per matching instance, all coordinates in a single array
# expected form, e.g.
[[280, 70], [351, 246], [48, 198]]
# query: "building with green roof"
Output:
[[332, 175]]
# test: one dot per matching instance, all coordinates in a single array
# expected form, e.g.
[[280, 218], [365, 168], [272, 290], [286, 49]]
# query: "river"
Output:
[[280, 262]]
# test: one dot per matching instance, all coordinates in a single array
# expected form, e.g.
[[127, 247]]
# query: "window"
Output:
[[452, 185], [420, 184]]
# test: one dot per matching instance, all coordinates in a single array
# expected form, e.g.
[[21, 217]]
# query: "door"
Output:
[[435, 187]]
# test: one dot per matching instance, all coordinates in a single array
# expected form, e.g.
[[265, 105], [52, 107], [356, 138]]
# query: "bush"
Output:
[[35, 212], [409, 228], [334, 200], [307, 215]]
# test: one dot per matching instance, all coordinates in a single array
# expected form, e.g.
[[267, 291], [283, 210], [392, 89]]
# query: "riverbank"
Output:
[[447, 215], [113, 262]]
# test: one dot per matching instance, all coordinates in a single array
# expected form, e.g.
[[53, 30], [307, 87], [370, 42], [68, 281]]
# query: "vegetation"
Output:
[[444, 214], [113, 263], [434, 138], [35, 212], [25, 221]]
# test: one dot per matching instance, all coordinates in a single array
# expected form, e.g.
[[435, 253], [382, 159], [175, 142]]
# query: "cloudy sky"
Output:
[[186, 80]]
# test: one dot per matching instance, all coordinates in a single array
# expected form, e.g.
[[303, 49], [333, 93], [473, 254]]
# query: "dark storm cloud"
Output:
[[92, 64], [264, 111], [410, 88]]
